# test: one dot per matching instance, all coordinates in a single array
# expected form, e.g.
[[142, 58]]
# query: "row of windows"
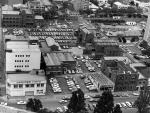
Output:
[[26, 85], [21, 60], [22, 55], [21, 66]]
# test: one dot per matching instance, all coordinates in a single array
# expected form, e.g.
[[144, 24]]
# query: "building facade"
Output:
[[80, 4], [106, 47], [25, 84], [27, 18], [39, 7], [11, 19], [58, 63], [121, 74], [22, 56], [23, 18]]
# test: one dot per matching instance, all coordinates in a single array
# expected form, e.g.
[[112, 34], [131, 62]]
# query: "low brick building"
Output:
[[58, 62], [124, 77], [106, 47]]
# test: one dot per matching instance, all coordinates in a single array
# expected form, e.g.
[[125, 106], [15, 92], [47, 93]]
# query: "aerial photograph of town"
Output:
[[74, 56]]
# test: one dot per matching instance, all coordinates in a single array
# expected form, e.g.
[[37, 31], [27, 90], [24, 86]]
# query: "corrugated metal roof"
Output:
[[101, 79]]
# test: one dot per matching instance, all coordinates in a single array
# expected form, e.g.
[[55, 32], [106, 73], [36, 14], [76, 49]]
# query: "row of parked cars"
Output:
[[61, 109], [126, 104], [55, 85], [71, 71], [72, 83], [88, 83], [98, 63], [89, 66], [50, 29], [52, 33]]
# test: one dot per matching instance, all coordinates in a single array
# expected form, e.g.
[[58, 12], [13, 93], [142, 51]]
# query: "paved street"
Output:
[[52, 102]]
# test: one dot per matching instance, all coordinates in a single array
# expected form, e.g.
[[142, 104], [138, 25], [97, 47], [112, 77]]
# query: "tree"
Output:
[[105, 104], [143, 31], [54, 48], [132, 3], [95, 2], [133, 39], [146, 52], [137, 4], [143, 100], [124, 40], [77, 102], [34, 105], [144, 44], [117, 109]]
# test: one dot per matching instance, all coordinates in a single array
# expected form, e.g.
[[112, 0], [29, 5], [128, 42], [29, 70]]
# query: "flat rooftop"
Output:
[[14, 78], [56, 58], [11, 12], [21, 46]]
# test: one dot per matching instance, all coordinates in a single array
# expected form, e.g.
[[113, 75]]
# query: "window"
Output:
[[8, 85], [32, 85], [27, 55], [15, 85], [38, 85], [42, 85], [27, 85], [20, 85], [40, 91]]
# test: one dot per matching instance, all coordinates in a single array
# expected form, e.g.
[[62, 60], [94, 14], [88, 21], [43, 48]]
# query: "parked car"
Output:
[[136, 94], [22, 102], [63, 101], [119, 105], [129, 104], [65, 108], [3, 103], [124, 105], [59, 110]]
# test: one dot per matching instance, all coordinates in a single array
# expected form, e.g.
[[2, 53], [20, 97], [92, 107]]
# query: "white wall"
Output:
[[21, 91], [34, 61]]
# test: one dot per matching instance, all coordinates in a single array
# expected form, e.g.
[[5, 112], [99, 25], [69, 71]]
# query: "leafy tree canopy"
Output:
[[143, 100], [34, 104], [105, 103], [77, 102]]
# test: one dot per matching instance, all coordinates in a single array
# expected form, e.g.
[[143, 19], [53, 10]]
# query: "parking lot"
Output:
[[88, 65]]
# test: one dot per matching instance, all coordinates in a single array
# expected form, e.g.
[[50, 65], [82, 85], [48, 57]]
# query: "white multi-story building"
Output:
[[25, 84], [21, 55]]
